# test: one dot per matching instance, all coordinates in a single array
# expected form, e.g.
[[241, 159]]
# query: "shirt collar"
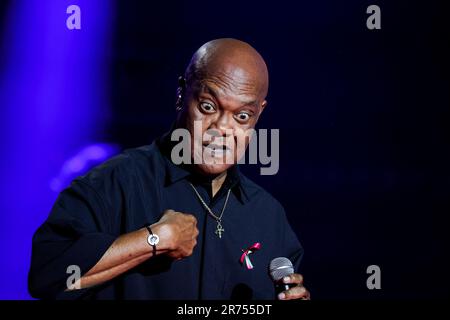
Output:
[[174, 173]]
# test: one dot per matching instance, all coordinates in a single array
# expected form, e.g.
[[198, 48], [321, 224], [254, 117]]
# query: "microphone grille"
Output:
[[280, 267]]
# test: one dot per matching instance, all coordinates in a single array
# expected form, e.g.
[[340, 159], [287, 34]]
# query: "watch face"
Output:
[[153, 239]]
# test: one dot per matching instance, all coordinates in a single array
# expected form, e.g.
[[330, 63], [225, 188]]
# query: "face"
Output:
[[224, 106]]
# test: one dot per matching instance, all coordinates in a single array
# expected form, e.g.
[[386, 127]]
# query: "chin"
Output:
[[212, 169]]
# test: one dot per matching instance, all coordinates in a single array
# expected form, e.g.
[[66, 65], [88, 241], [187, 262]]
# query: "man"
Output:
[[141, 227]]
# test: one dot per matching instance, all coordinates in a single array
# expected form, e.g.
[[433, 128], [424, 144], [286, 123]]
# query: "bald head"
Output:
[[224, 95], [232, 63]]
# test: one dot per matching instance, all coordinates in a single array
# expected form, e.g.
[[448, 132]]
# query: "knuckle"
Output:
[[296, 292], [301, 290]]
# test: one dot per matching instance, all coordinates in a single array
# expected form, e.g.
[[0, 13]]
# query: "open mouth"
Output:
[[217, 150]]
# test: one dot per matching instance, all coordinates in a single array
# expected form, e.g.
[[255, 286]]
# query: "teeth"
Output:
[[216, 151]]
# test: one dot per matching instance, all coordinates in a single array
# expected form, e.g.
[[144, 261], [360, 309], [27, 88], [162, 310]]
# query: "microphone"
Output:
[[279, 268]]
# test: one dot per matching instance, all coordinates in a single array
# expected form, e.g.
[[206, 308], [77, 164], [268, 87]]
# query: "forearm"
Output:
[[126, 252], [98, 277]]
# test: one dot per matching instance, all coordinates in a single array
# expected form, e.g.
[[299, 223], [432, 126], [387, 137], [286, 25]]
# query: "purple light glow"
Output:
[[83, 160], [53, 100]]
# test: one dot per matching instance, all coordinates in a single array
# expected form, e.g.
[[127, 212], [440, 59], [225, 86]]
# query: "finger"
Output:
[[298, 292], [294, 278], [307, 296]]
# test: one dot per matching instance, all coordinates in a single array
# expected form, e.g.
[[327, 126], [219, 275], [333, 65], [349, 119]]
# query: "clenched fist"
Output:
[[177, 232]]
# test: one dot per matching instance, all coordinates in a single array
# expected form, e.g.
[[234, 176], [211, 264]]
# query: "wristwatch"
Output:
[[152, 239]]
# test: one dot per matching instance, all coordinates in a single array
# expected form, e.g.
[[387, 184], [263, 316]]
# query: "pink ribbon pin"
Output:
[[247, 252]]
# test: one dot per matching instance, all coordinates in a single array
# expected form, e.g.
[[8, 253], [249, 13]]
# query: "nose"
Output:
[[223, 125]]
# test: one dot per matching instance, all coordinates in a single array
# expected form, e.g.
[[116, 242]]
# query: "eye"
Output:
[[207, 107], [242, 116]]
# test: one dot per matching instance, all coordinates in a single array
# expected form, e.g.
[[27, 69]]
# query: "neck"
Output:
[[217, 182]]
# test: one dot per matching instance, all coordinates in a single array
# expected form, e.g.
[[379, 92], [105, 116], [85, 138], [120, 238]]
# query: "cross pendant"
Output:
[[219, 230]]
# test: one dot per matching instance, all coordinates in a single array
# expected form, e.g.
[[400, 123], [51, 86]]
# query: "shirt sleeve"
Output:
[[76, 233], [295, 250], [292, 247]]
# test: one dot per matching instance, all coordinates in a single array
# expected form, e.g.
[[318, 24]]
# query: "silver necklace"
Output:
[[219, 228]]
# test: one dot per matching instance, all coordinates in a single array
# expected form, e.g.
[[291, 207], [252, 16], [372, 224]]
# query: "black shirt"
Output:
[[131, 191]]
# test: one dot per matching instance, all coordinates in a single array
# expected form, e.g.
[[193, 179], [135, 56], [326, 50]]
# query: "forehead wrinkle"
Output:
[[232, 78], [226, 91]]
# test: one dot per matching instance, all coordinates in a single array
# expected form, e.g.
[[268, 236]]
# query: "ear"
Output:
[[263, 106], [180, 93], [181, 81]]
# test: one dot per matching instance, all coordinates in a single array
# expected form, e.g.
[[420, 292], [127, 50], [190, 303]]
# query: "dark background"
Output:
[[363, 118]]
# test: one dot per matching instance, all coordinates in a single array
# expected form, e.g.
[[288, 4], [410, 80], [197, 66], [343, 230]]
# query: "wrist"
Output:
[[164, 234], [152, 239]]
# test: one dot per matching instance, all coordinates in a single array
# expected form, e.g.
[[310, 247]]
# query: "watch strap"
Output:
[[154, 245]]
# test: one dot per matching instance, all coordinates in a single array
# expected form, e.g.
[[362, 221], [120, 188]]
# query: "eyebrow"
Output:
[[215, 94]]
